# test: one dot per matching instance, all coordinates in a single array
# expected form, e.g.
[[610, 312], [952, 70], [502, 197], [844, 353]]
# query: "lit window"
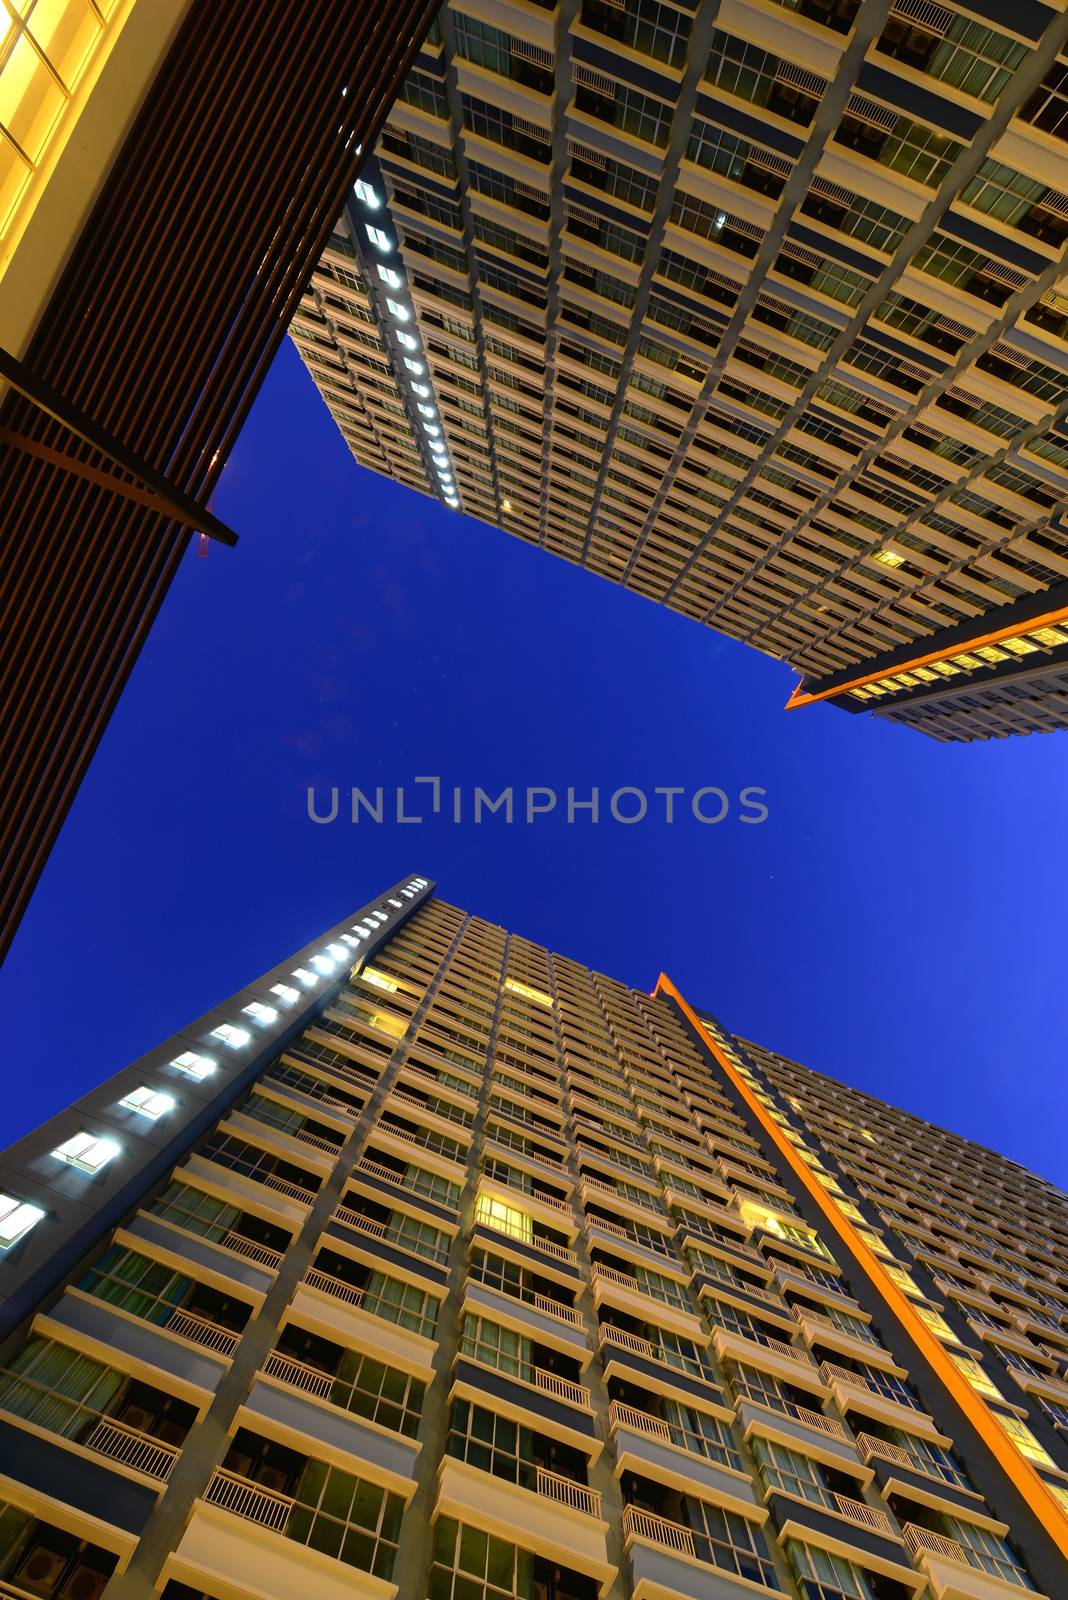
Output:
[[405, 339], [938, 1325], [976, 1376], [337, 951], [537, 995], [366, 194], [286, 993], [506, 505], [506, 1219], [420, 389], [1024, 1440], [148, 1102], [260, 1013], [391, 279], [308, 979], [425, 411], [434, 432], [451, 500], [194, 1066], [17, 1217], [381, 241], [889, 558], [414, 366], [323, 964], [86, 1152], [906, 1284], [234, 1038], [379, 980]]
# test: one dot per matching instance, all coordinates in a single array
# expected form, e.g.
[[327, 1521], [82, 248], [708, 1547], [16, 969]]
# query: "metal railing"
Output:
[[641, 1421], [187, 1325], [554, 1308], [648, 1525], [923, 1541], [260, 1253], [353, 1219], [246, 1499], [298, 1373], [293, 1190], [334, 1286], [629, 1341], [567, 1493], [562, 1388], [132, 1447], [863, 1515], [558, 1251]]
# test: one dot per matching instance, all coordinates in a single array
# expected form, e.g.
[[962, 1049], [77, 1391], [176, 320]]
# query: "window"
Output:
[[148, 1102], [234, 1038], [394, 307], [86, 1152], [260, 1013], [195, 1066], [286, 993], [366, 194], [17, 1217], [391, 279], [308, 979], [379, 238], [346, 1517]]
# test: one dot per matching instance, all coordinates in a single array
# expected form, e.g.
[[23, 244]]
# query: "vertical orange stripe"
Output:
[[1009, 1457]]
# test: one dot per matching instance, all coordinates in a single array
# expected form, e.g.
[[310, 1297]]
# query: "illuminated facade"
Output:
[[758, 309], [436, 1265]]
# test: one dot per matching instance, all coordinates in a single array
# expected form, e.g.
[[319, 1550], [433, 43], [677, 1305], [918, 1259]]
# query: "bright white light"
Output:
[[366, 193], [405, 339], [425, 411], [420, 388], [16, 1218], [451, 500], [414, 366], [391, 279], [235, 1038], [381, 241], [195, 1066], [286, 993], [323, 964], [435, 433], [337, 951], [86, 1152], [260, 1013], [148, 1102], [400, 313], [308, 979]]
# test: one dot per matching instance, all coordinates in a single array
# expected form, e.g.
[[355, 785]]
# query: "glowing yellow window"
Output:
[[847, 1206], [385, 1022], [905, 1283], [379, 980], [977, 1377], [925, 675], [990, 652], [1024, 1440], [1021, 647], [969, 661], [873, 1242], [506, 1219], [938, 1325], [1049, 635], [537, 995], [946, 669]]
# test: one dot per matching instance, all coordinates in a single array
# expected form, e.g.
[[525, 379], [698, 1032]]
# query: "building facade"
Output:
[[151, 258], [435, 1265], [758, 308]]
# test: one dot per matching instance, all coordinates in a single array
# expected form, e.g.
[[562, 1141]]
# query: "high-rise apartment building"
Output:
[[169, 173], [435, 1265], [758, 308]]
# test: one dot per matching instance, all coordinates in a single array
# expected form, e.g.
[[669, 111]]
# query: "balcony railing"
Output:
[[640, 1421], [821, 1320], [833, 1374], [260, 1253], [558, 1251], [554, 1308], [922, 1541], [246, 1499], [314, 1091], [450, 1114], [133, 1448], [655, 1529], [662, 1248], [567, 1493], [387, 1231], [299, 1374], [629, 1341], [334, 1286], [863, 1515], [187, 1325], [292, 1190], [561, 1388]]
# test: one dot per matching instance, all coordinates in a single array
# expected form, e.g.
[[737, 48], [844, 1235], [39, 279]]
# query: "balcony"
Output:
[[557, 1517], [665, 1564], [768, 1354], [620, 1288], [68, 1420], [953, 1572], [844, 1526], [864, 1392], [680, 1460]]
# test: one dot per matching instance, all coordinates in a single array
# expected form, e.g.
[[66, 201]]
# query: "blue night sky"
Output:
[[896, 922]]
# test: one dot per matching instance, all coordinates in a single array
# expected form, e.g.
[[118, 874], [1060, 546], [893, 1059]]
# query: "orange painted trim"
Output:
[[1013, 1462], [801, 697]]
